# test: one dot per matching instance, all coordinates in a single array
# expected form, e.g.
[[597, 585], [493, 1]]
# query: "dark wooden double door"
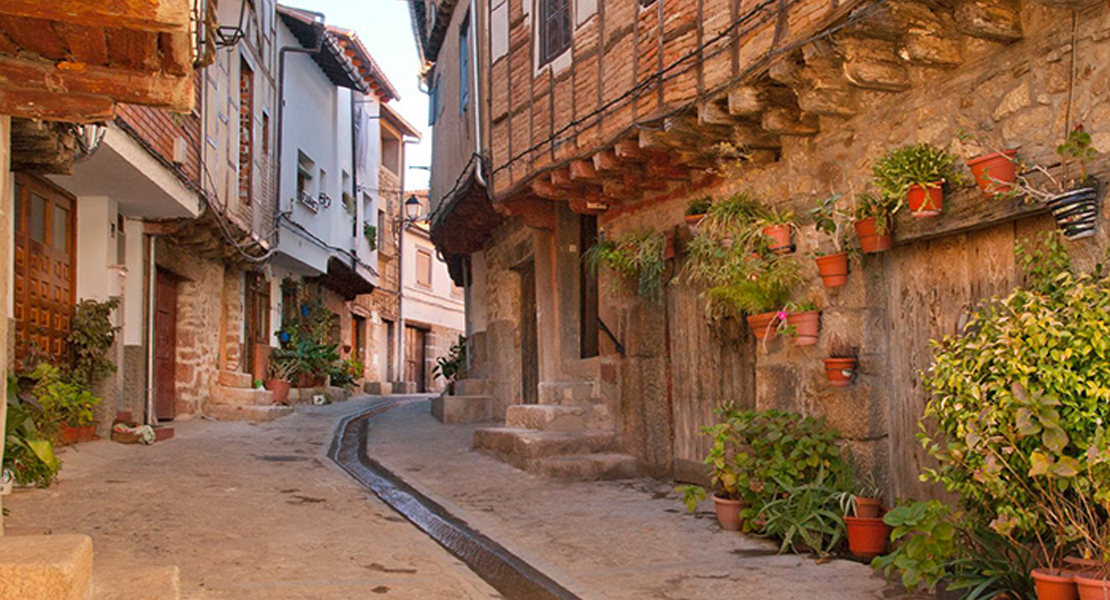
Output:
[[415, 356]]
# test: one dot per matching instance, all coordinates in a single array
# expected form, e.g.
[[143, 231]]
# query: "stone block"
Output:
[[404, 387], [236, 396], [858, 412], [546, 417], [248, 413], [871, 457], [567, 393], [45, 567], [588, 467], [235, 379], [378, 388], [461, 409], [150, 583], [470, 387]]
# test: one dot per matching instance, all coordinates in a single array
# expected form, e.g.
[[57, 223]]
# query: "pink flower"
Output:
[[782, 315]]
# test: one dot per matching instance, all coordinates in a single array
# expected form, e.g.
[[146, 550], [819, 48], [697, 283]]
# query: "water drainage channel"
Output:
[[506, 572]]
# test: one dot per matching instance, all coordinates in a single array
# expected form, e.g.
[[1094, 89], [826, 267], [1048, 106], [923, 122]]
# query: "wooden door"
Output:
[[529, 342], [414, 357], [43, 266], [257, 316], [165, 346]]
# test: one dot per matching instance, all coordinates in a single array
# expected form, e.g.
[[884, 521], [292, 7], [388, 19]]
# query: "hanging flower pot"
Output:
[[1092, 585], [728, 513], [867, 538], [840, 371], [926, 201], [779, 236], [806, 327], [1076, 212], [693, 222], [764, 326], [870, 240], [1055, 584], [995, 173], [833, 269]]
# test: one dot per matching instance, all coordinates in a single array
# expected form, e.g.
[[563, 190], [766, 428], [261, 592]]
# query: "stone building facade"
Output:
[[621, 126]]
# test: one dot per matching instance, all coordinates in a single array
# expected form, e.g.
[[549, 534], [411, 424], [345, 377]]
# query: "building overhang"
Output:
[[123, 170], [332, 58], [464, 220], [344, 279]]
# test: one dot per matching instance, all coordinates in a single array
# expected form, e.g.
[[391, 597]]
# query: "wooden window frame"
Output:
[[551, 11]]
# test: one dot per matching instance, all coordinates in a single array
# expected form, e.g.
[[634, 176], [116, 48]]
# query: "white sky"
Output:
[[386, 30]]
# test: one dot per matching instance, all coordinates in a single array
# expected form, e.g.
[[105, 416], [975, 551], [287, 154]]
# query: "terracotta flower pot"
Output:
[[764, 326], [995, 173], [779, 236], [693, 222], [870, 240], [1092, 586], [926, 201], [867, 538], [868, 508], [806, 325], [728, 513], [68, 435], [279, 388], [833, 269], [1055, 584], [840, 371]]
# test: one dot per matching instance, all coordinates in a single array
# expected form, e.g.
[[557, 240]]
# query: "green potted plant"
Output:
[[801, 321], [776, 226], [280, 371], [695, 212], [735, 221], [636, 257], [840, 366], [453, 366], [28, 452], [994, 170], [760, 293], [806, 517], [917, 173], [866, 530], [832, 221], [874, 220], [721, 464]]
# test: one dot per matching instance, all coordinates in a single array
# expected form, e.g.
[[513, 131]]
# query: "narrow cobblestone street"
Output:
[[247, 512]]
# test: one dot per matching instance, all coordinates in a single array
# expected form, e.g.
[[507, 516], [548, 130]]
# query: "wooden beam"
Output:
[[712, 113], [561, 179], [42, 104], [618, 190], [539, 214], [86, 44], [542, 187], [784, 121], [628, 149], [149, 15], [995, 20], [65, 79], [583, 171], [652, 139], [606, 161], [744, 101]]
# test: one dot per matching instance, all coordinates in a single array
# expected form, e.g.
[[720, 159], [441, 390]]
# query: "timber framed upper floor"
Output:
[[608, 102]]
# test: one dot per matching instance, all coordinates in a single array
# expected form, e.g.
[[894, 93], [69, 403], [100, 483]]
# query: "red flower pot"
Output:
[[833, 269], [806, 327], [779, 236], [279, 388], [1092, 586], [1055, 584], [693, 222], [764, 326], [995, 173], [870, 240], [840, 371], [868, 508], [926, 201], [728, 513], [867, 537], [68, 435]]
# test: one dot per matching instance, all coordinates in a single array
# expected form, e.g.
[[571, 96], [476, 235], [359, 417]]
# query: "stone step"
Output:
[[248, 412], [45, 567], [235, 379], [547, 417], [588, 467], [568, 393], [522, 447], [462, 409], [378, 388], [470, 387], [235, 396], [149, 583]]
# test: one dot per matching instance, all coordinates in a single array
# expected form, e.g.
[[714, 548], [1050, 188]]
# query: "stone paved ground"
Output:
[[248, 512], [605, 540]]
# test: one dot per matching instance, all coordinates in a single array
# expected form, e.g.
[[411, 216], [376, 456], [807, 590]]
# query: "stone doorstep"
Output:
[[234, 396], [568, 393], [247, 413], [378, 388], [588, 467], [546, 417], [519, 447], [470, 387], [45, 567], [150, 583], [235, 379], [461, 409]]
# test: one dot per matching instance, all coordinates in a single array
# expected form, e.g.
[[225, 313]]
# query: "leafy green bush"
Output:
[[807, 517], [634, 257], [90, 340], [917, 164], [453, 366], [698, 206], [28, 451], [766, 287]]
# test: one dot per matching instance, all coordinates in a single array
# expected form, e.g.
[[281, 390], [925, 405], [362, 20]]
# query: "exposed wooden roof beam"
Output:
[[70, 79], [146, 15]]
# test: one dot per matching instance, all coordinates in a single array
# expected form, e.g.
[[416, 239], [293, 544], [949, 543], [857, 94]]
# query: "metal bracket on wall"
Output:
[[605, 328]]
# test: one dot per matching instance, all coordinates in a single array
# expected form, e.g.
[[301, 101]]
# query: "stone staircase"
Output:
[[233, 399], [568, 436], [60, 567], [469, 404]]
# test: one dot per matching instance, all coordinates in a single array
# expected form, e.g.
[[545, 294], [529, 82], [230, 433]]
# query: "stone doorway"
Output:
[[529, 342], [165, 346]]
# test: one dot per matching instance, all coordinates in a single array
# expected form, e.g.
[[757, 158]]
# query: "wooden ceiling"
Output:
[[72, 60]]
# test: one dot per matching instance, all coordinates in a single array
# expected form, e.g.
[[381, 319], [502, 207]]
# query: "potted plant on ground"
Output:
[[917, 173], [776, 226], [281, 369], [453, 366], [721, 464], [636, 257], [832, 221], [840, 366], [874, 220], [801, 322], [695, 212], [806, 517], [862, 508]]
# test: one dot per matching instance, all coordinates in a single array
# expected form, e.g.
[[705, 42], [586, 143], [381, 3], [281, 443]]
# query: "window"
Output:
[[424, 268], [265, 134], [464, 64], [555, 31], [305, 169], [588, 320], [391, 153], [246, 130], [433, 102]]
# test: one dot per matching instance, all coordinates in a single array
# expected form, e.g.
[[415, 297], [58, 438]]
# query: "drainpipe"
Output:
[[476, 95], [151, 418], [320, 33]]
